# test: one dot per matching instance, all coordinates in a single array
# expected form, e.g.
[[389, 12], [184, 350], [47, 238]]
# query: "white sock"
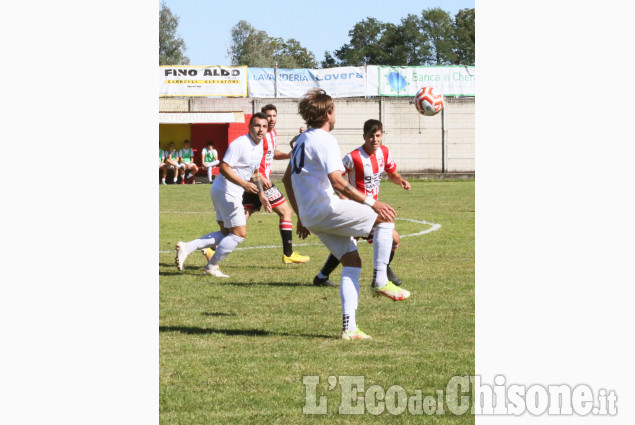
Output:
[[175, 178], [163, 180], [382, 244], [349, 293], [210, 240], [209, 174], [224, 248]]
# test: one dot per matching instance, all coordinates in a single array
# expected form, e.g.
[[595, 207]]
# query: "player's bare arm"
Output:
[[228, 172], [302, 231], [257, 179], [266, 183], [398, 180], [281, 155], [341, 185]]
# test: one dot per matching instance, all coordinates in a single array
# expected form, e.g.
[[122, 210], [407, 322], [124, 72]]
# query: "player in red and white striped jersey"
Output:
[[252, 204], [365, 167]]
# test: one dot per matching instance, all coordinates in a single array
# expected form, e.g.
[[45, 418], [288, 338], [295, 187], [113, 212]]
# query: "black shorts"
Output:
[[251, 201]]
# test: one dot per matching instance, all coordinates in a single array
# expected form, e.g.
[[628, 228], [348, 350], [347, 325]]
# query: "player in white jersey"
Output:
[[238, 173], [209, 158], [252, 204], [314, 172], [365, 167]]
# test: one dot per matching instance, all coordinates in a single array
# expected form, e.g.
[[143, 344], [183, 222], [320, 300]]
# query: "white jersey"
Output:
[[315, 155], [244, 156]]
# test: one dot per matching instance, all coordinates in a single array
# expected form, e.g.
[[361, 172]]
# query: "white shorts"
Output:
[[182, 165], [347, 219], [228, 207]]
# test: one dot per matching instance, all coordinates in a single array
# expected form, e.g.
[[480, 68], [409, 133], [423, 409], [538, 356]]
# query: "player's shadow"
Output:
[[192, 330], [217, 314], [284, 284], [174, 271]]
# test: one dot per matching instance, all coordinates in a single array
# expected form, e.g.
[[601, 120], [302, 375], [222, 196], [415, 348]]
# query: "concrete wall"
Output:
[[414, 140]]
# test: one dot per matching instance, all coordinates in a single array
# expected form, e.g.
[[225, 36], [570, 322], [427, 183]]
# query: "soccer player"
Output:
[[365, 167], [238, 174], [251, 203], [314, 172], [163, 167], [300, 131], [171, 158], [209, 158], [186, 163]]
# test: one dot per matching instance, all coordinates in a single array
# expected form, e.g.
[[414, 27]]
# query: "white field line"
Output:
[[434, 226]]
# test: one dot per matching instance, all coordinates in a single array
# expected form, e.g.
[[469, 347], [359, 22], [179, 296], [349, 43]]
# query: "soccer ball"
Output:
[[428, 102]]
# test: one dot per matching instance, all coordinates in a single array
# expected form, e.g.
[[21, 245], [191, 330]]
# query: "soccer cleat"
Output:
[[208, 252], [181, 255], [214, 271], [294, 258], [163, 182], [356, 334], [391, 291], [393, 277], [182, 180], [318, 281]]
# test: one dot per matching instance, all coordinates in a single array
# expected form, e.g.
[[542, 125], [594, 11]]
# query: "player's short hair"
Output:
[[372, 126], [268, 107], [186, 141], [314, 106], [210, 143], [258, 115]]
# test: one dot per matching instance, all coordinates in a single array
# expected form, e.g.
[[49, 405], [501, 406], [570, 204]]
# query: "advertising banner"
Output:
[[293, 83], [203, 81], [407, 80]]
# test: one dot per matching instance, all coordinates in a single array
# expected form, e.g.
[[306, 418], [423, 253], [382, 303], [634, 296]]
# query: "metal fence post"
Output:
[[275, 80], [444, 141]]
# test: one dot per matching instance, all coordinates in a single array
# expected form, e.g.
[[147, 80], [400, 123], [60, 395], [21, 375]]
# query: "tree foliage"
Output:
[[171, 46], [431, 38], [465, 36], [365, 44], [437, 24], [252, 47]]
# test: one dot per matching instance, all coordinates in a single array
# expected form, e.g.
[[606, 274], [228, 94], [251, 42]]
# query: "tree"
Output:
[[364, 46], [438, 27], [406, 43], [464, 37], [171, 46], [329, 61], [291, 54], [252, 47]]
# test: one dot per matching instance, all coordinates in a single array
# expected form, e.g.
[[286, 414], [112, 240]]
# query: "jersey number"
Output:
[[297, 166]]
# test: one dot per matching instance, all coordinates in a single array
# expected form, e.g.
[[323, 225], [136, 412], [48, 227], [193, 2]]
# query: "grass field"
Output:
[[236, 350]]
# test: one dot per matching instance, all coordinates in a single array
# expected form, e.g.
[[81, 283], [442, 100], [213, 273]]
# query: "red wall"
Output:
[[220, 134]]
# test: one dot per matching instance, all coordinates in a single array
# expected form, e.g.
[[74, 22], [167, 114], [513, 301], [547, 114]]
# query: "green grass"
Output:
[[235, 350]]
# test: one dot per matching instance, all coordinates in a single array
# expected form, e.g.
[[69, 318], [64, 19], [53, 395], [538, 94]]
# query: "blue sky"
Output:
[[205, 25]]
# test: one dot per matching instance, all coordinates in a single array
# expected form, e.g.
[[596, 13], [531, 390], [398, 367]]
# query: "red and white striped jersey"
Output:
[[269, 143], [365, 171]]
